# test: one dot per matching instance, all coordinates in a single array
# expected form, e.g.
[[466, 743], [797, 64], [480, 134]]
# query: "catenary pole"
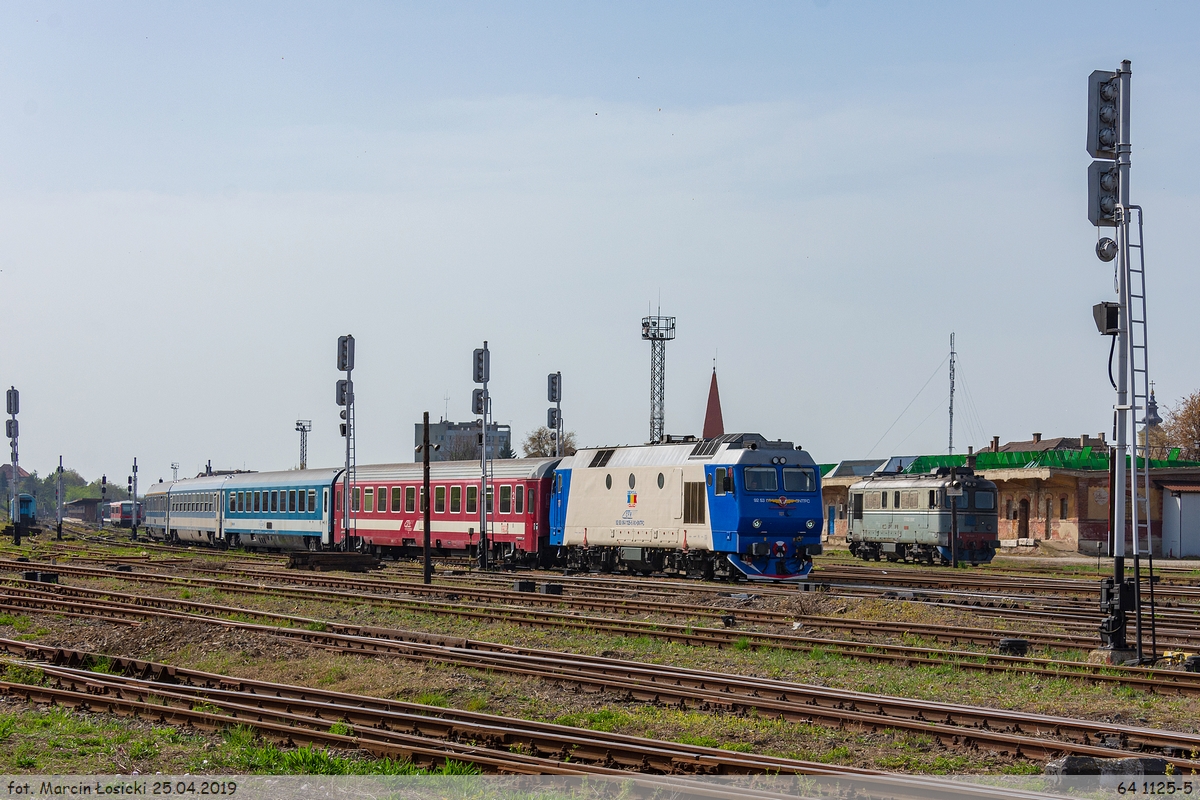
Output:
[[425, 478]]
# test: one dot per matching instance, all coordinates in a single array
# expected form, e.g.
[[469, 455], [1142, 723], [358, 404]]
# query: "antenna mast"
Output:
[[952, 357], [658, 330]]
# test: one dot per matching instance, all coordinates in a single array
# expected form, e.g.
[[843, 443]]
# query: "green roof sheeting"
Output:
[[1058, 459]]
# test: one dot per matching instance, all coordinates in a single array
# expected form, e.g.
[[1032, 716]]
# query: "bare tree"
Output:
[[1182, 426], [540, 443], [463, 448]]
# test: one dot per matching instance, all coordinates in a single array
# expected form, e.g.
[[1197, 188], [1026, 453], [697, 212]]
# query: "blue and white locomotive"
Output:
[[714, 508]]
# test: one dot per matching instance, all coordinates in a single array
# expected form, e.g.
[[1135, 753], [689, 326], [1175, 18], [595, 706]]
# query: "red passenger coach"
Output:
[[387, 508]]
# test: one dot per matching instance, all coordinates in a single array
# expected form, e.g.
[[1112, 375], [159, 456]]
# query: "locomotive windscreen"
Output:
[[761, 479], [799, 480]]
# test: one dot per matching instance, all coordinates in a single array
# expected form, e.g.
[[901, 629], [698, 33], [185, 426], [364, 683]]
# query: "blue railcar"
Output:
[[734, 505]]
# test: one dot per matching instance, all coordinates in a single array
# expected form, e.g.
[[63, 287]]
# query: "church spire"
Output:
[[714, 426]]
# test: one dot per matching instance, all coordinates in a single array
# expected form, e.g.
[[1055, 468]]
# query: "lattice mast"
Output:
[[658, 330], [952, 357]]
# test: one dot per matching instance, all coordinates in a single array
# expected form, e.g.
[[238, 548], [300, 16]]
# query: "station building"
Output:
[[1052, 493]]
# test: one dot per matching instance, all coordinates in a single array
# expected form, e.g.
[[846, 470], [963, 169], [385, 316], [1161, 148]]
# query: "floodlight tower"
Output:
[[304, 426], [658, 331]]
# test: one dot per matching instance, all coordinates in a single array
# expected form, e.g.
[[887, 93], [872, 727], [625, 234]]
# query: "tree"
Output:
[[1182, 426], [540, 443]]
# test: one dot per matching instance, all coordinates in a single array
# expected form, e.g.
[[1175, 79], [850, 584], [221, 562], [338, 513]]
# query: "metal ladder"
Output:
[[350, 431], [1140, 373]]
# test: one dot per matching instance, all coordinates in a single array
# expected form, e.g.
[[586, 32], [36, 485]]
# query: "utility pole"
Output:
[[481, 403], [425, 478], [952, 357], [953, 493], [304, 426], [58, 497], [174, 471], [345, 398], [554, 415]]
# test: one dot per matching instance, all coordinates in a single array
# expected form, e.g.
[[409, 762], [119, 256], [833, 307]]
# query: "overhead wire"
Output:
[[932, 375]]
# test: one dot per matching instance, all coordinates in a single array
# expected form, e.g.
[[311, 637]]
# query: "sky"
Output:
[[196, 200]]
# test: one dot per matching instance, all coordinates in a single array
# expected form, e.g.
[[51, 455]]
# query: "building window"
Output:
[[519, 505], [472, 499], [455, 499], [439, 499], [396, 492], [410, 499], [1062, 508], [381, 493], [505, 499], [1008, 514], [368, 499]]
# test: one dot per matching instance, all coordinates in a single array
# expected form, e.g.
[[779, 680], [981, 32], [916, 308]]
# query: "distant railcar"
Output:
[[121, 513], [900, 516]]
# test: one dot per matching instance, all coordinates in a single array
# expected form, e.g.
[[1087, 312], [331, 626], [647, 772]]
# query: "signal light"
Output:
[[10, 428], [343, 428], [1108, 317], [554, 387], [552, 418], [1106, 249], [345, 355], [478, 405], [343, 393], [1104, 180], [13, 404], [1104, 95], [481, 365]]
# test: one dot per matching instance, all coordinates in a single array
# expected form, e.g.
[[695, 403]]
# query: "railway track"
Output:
[[1146, 679], [1013, 734]]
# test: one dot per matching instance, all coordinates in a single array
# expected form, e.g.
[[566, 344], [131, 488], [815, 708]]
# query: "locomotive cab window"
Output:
[[856, 506], [761, 479], [718, 482], [985, 500], [895, 499], [933, 498], [796, 479], [883, 499]]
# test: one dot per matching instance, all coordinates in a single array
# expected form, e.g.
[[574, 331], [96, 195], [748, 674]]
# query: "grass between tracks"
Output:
[[200, 646]]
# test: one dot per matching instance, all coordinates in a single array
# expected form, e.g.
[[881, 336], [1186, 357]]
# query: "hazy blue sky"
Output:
[[196, 199]]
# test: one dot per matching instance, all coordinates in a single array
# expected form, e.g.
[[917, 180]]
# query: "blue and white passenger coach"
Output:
[[692, 507], [269, 510]]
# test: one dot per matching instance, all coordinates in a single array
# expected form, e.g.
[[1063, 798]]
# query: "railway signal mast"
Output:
[[554, 415], [1108, 142], [481, 404], [658, 330], [345, 398], [12, 407]]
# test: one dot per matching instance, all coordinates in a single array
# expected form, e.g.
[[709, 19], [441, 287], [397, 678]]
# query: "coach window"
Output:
[[490, 500], [532, 499], [381, 495], [761, 479], [505, 499], [719, 483], [355, 494], [369, 499], [396, 493], [423, 501], [455, 499], [241, 501], [439, 499], [519, 502], [410, 499], [275, 501], [257, 499], [232, 503], [472, 499], [312, 500]]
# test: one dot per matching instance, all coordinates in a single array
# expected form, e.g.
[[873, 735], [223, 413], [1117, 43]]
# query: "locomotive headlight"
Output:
[[810, 524], [757, 523]]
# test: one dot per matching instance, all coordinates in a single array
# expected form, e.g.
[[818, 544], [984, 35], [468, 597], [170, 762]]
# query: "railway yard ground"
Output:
[[148, 658]]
